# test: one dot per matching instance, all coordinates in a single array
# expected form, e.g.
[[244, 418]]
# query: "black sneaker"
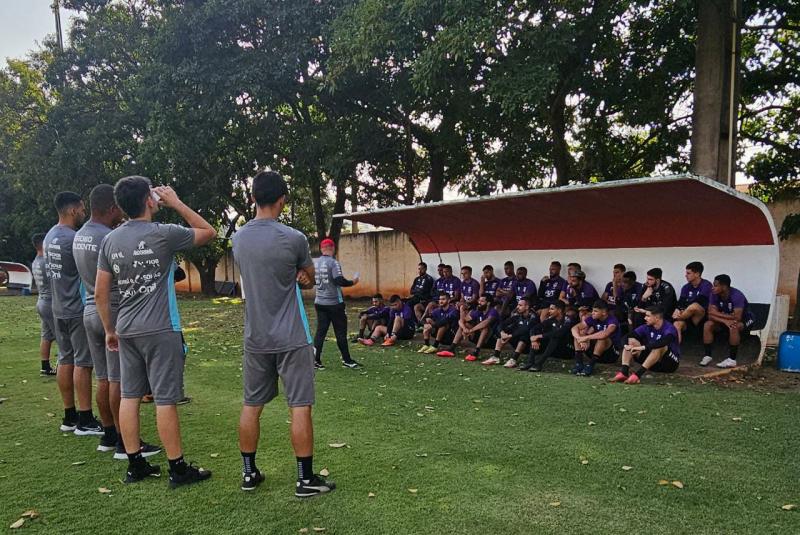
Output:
[[318, 365], [313, 487], [525, 367], [353, 365], [107, 443], [251, 481], [141, 472], [90, 428], [184, 400], [47, 372], [67, 426], [147, 450], [193, 474], [354, 340], [535, 368]]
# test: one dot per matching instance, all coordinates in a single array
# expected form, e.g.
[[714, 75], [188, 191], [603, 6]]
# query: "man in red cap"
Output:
[[329, 304]]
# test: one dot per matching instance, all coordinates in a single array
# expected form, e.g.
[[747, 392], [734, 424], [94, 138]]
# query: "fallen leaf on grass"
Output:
[[789, 507], [585, 461], [50, 414], [338, 445], [104, 490], [420, 414], [303, 530], [592, 423], [30, 514], [412, 491], [663, 482], [213, 455], [3, 399], [324, 472], [371, 495], [421, 454], [319, 530], [78, 463], [17, 524], [46, 399], [677, 484], [627, 468], [736, 419], [555, 504]]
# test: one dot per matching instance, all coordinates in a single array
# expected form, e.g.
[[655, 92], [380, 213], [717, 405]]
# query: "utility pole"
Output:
[[57, 12]]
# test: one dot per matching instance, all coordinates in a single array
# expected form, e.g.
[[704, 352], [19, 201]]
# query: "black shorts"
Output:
[[491, 340], [609, 356], [667, 364], [406, 332]]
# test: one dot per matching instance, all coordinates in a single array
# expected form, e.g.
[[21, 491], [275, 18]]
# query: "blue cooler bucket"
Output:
[[789, 352]]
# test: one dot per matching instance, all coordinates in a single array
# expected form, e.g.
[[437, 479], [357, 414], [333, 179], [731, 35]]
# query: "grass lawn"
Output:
[[489, 451]]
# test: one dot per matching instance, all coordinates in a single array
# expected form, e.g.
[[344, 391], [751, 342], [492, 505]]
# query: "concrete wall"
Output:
[[790, 250]]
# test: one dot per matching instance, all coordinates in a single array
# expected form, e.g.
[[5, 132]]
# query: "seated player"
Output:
[[629, 300], [470, 289], [550, 288], [441, 324], [514, 331], [524, 288], [377, 314], [420, 291], [694, 299], [729, 313], [489, 283], [654, 346], [598, 337], [438, 287], [401, 325], [549, 338], [657, 292], [505, 292], [579, 293], [452, 284], [572, 268], [477, 327], [613, 291]]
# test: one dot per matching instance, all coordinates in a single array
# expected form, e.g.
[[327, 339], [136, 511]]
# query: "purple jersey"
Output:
[[524, 287], [470, 289], [614, 295], [476, 316], [602, 325], [439, 285], [377, 313], [650, 337], [406, 313], [452, 285], [551, 288], [585, 296], [448, 315], [490, 286], [701, 294], [735, 299], [507, 284]]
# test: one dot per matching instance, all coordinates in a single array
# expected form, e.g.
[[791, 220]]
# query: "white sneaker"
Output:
[[705, 361], [727, 363], [510, 363], [491, 361]]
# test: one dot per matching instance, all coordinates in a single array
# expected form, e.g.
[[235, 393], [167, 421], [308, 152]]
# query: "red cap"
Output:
[[327, 242]]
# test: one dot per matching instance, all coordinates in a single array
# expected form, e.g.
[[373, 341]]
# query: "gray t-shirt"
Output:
[[328, 292], [139, 256], [39, 270], [86, 249], [269, 254], [65, 283]]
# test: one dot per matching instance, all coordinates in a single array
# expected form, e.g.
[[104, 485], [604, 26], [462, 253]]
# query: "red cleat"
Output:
[[470, 358], [619, 378], [388, 342], [632, 380], [366, 341], [445, 354]]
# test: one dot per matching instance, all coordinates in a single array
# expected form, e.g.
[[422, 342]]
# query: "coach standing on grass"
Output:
[[274, 261], [138, 257]]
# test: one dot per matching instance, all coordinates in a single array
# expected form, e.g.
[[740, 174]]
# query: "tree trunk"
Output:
[[562, 160], [319, 210], [354, 202], [436, 183], [207, 270], [338, 208], [408, 165]]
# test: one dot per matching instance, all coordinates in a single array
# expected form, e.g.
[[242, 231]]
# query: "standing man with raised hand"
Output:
[[105, 215], [74, 373], [138, 257], [329, 304], [274, 262], [44, 305]]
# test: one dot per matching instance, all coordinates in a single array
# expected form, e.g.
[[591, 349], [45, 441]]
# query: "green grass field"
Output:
[[488, 451]]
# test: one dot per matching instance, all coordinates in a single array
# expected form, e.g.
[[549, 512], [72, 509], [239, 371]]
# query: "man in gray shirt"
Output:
[[105, 215], [274, 261], [138, 257], [74, 373], [44, 305], [329, 304]]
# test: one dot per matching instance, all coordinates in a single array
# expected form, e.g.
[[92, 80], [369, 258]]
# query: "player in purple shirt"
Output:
[[629, 300], [694, 299], [489, 283], [400, 326], [653, 345], [452, 284], [598, 337], [438, 287], [377, 314], [579, 293], [441, 324], [613, 292], [506, 290], [572, 268], [523, 288], [477, 326], [728, 312], [470, 289], [550, 288]]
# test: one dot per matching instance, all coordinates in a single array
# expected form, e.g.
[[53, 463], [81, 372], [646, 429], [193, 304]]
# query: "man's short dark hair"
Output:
[[423, 264], [575, 265], [448, 266], [468, 268], [66, 199], [619, 267], [441, 266], [268, 187], [489, 267], [630, 275], [37, 239], [559, 305], [600, 305], [508, 263], [655, 273], [555, 263], [656, 310], [131, 195], [489, 298], [723, 279], [528, 300], [394, 299], [377, 296], [697, 267], [101, 199], [522, 268]]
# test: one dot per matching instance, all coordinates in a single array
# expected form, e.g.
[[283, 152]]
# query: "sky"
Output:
[[24, 24]]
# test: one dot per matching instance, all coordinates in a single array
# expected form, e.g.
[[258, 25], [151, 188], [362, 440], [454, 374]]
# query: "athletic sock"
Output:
[[641, 371], [46, 365], [497, 353], [361, 333], [135, 460], [178, 465], [110, 432], [708, 348], [516, 355], [734, 352], [477, 351], [70, 414], [626, 369], [305, 468], [85, 416], [579, 358], [249, 462], [436, 343], [427, 341]]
